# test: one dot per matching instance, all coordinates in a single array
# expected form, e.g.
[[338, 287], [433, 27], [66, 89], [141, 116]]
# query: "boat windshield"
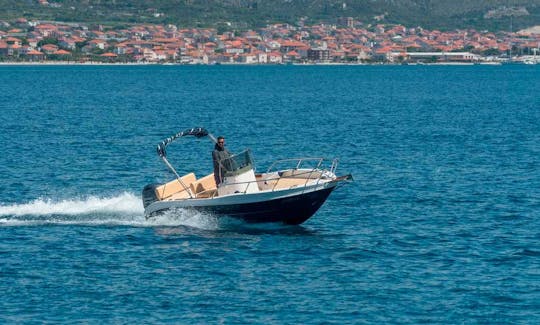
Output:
[[237, 164]]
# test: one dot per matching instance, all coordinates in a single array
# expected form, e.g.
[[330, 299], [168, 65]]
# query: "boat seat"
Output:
[[203, 184], [175, 188], [206, 194], [301, 173], [178, 196], [287, 182]]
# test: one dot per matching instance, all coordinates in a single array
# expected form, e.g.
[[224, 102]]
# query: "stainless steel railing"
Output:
[[313, 173], [299, 162]]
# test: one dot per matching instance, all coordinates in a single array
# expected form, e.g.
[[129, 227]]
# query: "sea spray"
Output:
[[125, 203], [124, 209], [185, 217]]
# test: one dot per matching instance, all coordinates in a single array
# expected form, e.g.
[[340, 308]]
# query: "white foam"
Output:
[[126, 203], [124, 209], [185, 217]]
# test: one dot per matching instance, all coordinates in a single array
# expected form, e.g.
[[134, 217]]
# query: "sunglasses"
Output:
[[221, 142]]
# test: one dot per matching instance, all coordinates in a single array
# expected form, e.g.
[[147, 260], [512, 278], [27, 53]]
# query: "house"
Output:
[[4, 49], [288, 46], [171, 54], [234, 50], [148, 55], [195, 57], [236, 46], [49, 48], [21, 22], [33, 42], [13, 41], [62, 53], [161, 55], [262, 57], [120, 49], [248, 58], [337, 55], [67, 43], [46, 30], [291, 56], [252, 36], [108, 56], [384, 54], [96, 43], [23, 50], [275, 57], [224, 58], [14, 49], [34, 55], [272, 45]]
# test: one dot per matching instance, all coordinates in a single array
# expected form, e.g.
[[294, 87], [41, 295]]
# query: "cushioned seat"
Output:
[[175, 188], [203, 184]]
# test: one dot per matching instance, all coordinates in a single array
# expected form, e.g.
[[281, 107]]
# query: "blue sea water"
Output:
[[441, 224]]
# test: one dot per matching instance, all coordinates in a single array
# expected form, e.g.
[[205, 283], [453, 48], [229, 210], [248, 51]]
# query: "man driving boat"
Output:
[[218, 155]]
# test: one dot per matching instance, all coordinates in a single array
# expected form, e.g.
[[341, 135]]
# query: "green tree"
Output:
[[491, 52], [49, 40]]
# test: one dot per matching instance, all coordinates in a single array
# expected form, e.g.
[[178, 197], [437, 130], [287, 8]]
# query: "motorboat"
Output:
[[290, 191]]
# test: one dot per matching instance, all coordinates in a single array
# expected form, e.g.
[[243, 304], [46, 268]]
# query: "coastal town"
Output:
[[345, 42]]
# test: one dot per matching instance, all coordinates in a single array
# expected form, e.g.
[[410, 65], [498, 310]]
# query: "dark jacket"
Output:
[[217, 156]]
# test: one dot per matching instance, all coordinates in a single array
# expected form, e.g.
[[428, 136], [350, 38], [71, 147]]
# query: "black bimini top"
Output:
[[198, 132]]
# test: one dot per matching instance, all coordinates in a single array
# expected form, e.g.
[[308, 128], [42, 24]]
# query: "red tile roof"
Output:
[[62, 52], [34, 52], [292, 44]]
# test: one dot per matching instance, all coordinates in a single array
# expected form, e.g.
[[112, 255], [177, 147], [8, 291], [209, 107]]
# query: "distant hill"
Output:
[[440, 14]]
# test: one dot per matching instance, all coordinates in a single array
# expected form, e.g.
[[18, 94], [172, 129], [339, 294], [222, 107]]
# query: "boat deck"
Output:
[[189, 186]]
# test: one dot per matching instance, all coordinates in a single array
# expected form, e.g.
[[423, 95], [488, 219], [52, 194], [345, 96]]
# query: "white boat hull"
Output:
[[290, 206]]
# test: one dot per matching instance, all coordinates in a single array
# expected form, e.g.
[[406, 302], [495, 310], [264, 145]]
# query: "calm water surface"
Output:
[[440, 226]]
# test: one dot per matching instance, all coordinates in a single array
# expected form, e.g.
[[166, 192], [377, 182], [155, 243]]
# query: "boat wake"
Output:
[[122, 210]]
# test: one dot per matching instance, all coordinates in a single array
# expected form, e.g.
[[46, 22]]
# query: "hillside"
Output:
[[441, 14]]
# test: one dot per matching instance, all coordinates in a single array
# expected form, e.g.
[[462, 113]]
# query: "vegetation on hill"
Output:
[[441, 14]]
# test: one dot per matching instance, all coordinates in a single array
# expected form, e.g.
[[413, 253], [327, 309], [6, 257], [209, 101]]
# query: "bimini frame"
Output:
[[197, 132]]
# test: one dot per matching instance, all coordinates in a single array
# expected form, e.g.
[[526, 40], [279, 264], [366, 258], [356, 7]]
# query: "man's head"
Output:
[[221, 141]]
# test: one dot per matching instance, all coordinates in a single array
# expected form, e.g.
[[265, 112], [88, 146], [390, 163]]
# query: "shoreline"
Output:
[[74, 63], [70, 63]]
